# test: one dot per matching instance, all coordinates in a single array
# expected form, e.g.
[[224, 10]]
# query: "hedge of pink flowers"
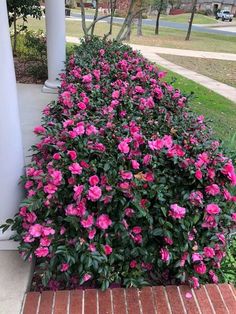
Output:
[[126, 184]]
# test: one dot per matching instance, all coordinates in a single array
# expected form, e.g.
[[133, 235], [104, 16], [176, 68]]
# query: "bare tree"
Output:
[[191, 19], [112, 9], [89, 30]]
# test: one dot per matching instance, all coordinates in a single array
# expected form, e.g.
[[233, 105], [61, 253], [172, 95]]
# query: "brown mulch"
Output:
[[22, 72]]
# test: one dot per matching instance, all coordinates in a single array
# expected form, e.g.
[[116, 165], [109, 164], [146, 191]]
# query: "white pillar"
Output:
[[56, 42], [11, 151]]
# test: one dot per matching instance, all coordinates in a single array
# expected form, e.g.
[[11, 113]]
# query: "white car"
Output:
[[224, 15]]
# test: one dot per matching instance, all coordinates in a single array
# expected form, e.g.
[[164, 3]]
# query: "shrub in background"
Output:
[[126, 184]]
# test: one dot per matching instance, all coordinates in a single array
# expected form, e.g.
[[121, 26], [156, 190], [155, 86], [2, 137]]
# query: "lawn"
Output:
[[220, 111], [220, 70], [184, 18], [168, 37]]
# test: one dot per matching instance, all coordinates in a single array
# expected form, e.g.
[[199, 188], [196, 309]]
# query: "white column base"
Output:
[[8, 245], [51, 87]]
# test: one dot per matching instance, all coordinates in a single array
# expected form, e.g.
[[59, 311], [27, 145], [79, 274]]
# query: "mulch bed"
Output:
[[22, 72]]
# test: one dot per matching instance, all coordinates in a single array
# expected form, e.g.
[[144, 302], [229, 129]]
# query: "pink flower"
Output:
[[168, 240], [86, 277], [115, 94], [75, 168], [126, 175], [103, 222], [137, 230], [133, 264], [135, 164], [72, 154], [200, 268], [39, 130], [198, 174], [87, 78], [31, 217], [41, 251], [177, 212], [209, 252], [46, 231], [107, 249], [82, 105], [129, 212], [212, 209], [147, 159], [213, 276], [197, 257], [93, 180], [124, 147], [233, 216], [78, 189], [165, 255], [35, 231], [156, 145], [87, 223], [94, 193], [50, 188], [92, 234], [45, 241], [196, 198], [209, 222], [212, 189], [195, 282], [64, 267]]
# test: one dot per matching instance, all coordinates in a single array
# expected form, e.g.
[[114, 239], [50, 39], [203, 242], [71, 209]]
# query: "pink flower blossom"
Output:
[[35, 230], [133, 264], [107, 249], [200, 268], [196, 257], [94, 193], [137, 230], [196, 198], [103, 222], [212, 209], [78, 189], [92, 234], [86, 277], [87, 223], [75, 168], [39, 130], [50, 188], [198, 174], [41, 251], [209, 252], [177, 212], [45, 241], [195, 282], [93, 180], [87, 78], [156, 145], [126, 175], [31, 217], [233, 216], [212, 189], [135, 164], [72, 154], [165, 255], [64, 267], [124, 147], [46, 231]]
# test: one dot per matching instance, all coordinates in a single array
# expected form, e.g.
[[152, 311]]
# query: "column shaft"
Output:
[[11, 152], [56, 52]]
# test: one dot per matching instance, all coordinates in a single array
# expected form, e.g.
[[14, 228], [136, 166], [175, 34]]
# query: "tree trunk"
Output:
[[95, 18], [126, 21], [15, 33], [113, 9], [158, 18], [139, 25], [191, 20], [83, 19]]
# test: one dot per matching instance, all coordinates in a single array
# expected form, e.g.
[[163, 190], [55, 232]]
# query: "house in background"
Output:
[[204, 5]]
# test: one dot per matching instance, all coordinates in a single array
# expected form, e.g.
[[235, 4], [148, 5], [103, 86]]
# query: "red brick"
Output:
[[228, 297], [104, 301], [31, 303], [190, 304], [46, 302], [76, 299], [132, 301], [174, 300], [90, 301], [147, 302], [160, 300], [118, 297], [203, 301], [216, 299], [61, 302]]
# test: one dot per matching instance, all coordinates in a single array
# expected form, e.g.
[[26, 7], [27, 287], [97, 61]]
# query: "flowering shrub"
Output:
[[126, 184]]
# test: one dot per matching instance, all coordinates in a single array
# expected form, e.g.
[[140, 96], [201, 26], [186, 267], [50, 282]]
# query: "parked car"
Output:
[[224, 15]]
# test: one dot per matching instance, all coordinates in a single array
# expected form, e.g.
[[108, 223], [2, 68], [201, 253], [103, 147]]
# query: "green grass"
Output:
[[184, 18], [220, 111], [168, 37]]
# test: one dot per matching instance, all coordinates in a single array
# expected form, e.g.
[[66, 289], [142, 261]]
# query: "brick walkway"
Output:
[[215, 299]]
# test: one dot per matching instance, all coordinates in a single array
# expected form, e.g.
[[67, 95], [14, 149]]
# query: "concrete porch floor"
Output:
[[15, 274]]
